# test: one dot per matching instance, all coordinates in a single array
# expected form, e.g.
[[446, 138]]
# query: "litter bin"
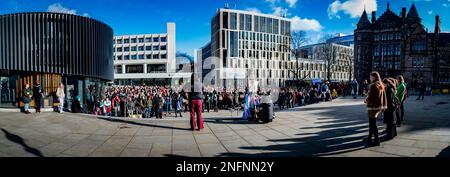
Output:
[[266, 109]]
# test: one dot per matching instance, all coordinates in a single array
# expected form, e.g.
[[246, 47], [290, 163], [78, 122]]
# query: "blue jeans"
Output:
[[26, 106]]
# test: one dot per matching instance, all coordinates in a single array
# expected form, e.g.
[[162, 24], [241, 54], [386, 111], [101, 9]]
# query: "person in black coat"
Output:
[[391, 128], [422, 89], [37, 93]]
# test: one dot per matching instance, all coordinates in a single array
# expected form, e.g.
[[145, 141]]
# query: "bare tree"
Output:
[[329, 54], [299, 39]]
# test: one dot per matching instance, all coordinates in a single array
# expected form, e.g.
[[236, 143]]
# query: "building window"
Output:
[[148, 48], [164, 56], [418, 63], [234, 52], [241, 22], [135, 69], [133, 57], [233, 21], [141, 57], [119, 49], [119, 57], [156, 39], [419, 47], [133, 48], [163, 47], [156, 47], [248, 22], [263, 24], [161, 68], [141, 40], [126, 49], [148, 39], [119, 41], [275, 26], [127, 57], [155, 56], [270, 25], [126, 41], [133, 40], [148, 56], [118, 69], [163, 39], [141, 48], [256, 23]]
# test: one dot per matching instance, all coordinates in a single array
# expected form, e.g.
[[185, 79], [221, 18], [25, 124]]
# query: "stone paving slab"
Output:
[[331, 129]]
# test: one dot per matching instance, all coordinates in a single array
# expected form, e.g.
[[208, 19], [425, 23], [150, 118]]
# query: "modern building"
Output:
[[53, 48], [256, 46], [399, 44], [148, 59], [325, 61], [347, 40]]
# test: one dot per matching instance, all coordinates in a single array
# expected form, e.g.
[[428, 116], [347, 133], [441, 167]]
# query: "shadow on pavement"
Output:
[[142, 124], [445, 152], [19, 140], [335, 134]]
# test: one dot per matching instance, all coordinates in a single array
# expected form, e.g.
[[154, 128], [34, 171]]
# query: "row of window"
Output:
[[387, 64], [388, 36], [141, 48], [140, 40], [141, 57], [257, 24], [263, 37], [138, 69], [387, 50]]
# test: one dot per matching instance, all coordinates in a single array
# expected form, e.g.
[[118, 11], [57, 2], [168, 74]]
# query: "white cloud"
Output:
[[353, 8], [253, 10], [291, 3], [278, 11], [430, 12], [305, 24], [86, 14], [57, 7]]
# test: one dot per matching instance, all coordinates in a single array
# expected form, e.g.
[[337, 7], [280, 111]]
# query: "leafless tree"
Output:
[[329, 54], [299, 39]]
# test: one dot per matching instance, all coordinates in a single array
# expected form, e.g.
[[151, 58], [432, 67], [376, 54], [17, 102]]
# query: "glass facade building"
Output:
[[258, 43]]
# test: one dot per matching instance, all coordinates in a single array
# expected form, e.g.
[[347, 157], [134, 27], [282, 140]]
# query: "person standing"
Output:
[[61, 95], [392, 104], [355, 88], [376, 103], [401, 96], [27, 95], [37, 93], [422, 89], [116, 104], [196, 104]]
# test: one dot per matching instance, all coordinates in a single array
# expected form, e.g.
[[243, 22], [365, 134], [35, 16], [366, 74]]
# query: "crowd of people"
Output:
[[386, 96]]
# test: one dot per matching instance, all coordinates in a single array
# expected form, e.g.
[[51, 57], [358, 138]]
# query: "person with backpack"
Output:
[[392, 104], [376, 103], [401, 95]]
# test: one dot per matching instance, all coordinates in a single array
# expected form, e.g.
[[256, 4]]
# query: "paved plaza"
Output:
[[325, 129]]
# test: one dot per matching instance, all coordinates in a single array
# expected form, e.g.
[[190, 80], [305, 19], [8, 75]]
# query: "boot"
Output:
[[376, 142]]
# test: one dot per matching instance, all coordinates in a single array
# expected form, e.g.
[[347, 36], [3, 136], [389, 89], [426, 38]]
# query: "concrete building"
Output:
[[314, 60], [256, 46], [148, 59]]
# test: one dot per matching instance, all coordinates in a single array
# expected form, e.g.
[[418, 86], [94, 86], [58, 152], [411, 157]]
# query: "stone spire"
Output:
[[437, 28], [413, 16]]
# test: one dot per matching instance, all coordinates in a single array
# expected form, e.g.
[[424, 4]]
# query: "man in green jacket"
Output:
[[401, 93]]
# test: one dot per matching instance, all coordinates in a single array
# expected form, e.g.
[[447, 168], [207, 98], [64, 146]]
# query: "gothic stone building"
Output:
[[395, 45]]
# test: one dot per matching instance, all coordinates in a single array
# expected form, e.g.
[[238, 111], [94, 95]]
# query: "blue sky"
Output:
[[317, 17]]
